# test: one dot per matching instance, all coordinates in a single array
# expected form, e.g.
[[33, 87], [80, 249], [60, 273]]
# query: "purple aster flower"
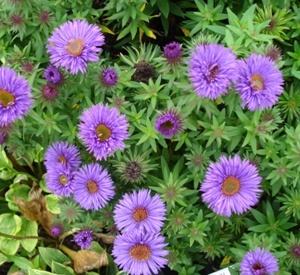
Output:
[[212, 68], [57, 230], [52, 75], [259, 262], [59, 180], [15, 96], [231, 186], [49, 92], [84, 239], [109, 77], [75, 43], [172, 52], [63, 153], [259, 82], [93, 186], [140, 252], [169, 123], [140, 211], [103, 130]]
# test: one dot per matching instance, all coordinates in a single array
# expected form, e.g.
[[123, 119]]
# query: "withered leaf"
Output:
[[85, 260]]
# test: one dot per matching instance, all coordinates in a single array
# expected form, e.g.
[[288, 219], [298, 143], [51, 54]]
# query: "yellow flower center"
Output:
[[6, 98], [140, 214], [92, 186], [63, 179], [103, 132], [257, 82], [62, 159], [140, 252], [231, 186], [75, 47]]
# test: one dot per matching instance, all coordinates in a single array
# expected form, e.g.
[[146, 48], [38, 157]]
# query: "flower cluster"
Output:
[[214, 68], [139, 248]]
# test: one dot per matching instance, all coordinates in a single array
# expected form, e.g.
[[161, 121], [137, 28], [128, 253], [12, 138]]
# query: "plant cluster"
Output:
[[140, 136]]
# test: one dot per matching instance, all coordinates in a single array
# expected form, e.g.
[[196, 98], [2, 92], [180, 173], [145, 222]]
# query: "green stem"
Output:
[[26, 237]]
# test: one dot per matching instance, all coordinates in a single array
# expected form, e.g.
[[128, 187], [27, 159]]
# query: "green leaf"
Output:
[[3, 259], [40, 272], [10, 224], [50, 255], [21, 262], [29, 228], [164, 7], [16, 190], [261, 218], [52, 204], [62, 269]]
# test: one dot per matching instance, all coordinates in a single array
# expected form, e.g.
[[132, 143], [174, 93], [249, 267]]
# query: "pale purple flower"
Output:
[[59, 180], [212, 69], [84, 239], [172, 52], [15, 96], [103, 130], [64, 153], [259, 262], [259, 82], [169, 123], [140, 211], [93, 186], [52, 74], [75, 43], [139, 252], [231, 186]]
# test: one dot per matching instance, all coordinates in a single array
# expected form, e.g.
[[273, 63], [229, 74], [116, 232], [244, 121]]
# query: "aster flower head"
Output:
[[109, 77], [140, 211], [62, 153], [259, 82], [70, 211], [27, 67], [292, 246], [231, 186], [172, 52], [56, 229], [75, 43], [144, 71], [52, 74], [84, 239], [140, 252], [93, 186], [15, 96], [169, 123], [259, 262], [59, 180], [103, 130], [212, 69], [49, 92]]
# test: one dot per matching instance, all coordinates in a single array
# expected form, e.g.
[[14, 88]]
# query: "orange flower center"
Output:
[[103, 132], [231, 186], [62, 159], [63, 179], [140, 252], [92, 186], [257, 82], [75, 47], [6, 98], [140, 214], [168, 125]]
